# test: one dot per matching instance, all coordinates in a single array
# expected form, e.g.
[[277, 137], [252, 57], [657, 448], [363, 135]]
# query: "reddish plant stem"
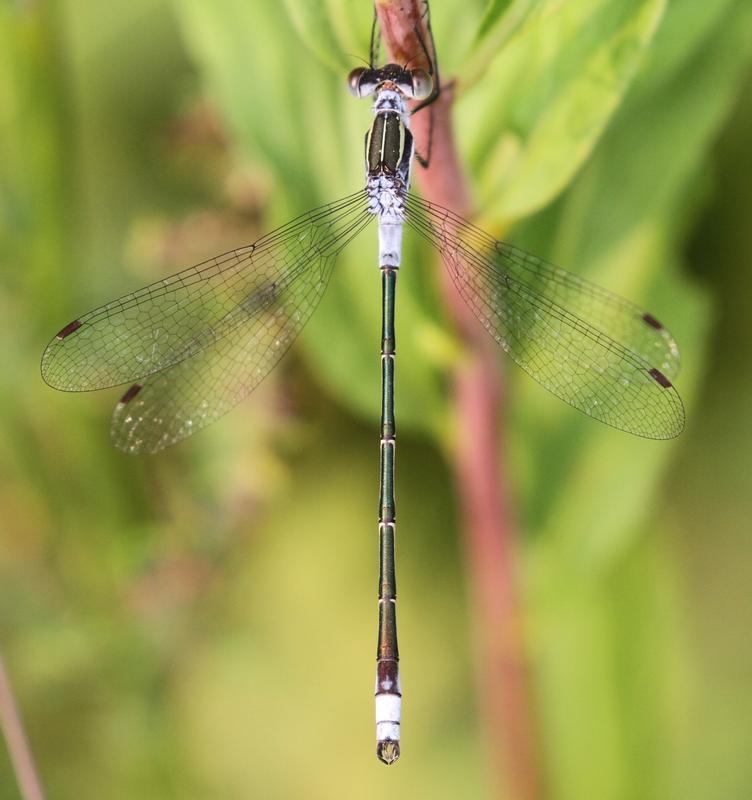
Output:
[[19, 751], [505, 696]]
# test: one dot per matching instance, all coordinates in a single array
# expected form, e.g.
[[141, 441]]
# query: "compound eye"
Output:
[[422, 84], [353, 81], [362, 82]]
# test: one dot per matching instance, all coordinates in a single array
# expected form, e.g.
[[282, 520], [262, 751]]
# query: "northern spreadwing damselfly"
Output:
[[195, 344]]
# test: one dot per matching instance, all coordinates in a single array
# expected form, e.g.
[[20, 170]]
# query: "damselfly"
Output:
[[195, 344]]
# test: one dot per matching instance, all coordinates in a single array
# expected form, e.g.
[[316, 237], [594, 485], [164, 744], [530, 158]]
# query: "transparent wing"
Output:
[[589, 347], [146, 331], [194, 392]]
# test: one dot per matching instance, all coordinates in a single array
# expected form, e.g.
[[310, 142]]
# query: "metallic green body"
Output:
[[387, 650]]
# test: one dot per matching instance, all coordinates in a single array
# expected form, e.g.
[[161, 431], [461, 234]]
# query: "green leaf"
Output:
[[502, 21], [592, 492], [500, 10], [546, 98], [336, 31], [627, 239]]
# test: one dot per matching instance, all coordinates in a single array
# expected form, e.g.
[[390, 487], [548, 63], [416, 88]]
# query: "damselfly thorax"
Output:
[[389, 148]]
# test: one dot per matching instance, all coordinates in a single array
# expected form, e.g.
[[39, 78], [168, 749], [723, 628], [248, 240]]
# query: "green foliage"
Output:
[[544, 100], [160, 649]]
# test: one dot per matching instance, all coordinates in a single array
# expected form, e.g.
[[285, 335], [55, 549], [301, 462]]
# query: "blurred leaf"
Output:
[[334, 30], [502, 20], [498, 10], [625, 239], [622, 222], [546, 98]]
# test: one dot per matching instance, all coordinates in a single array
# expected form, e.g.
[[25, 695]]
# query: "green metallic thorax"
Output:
[[385, 143]]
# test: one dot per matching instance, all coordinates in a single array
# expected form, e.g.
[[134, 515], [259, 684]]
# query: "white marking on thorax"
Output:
[[391, 100]]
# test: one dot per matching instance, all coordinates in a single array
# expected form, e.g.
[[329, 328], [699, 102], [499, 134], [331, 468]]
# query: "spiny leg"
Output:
[[373, 50], [433, 71], [431, 61]]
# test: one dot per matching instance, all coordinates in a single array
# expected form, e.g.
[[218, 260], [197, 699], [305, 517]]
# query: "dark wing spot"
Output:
[[652, 321], [130, 394], [260, 299], [659, 377], [69, 328]]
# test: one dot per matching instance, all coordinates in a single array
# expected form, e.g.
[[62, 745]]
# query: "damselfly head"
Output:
[[415, 84]]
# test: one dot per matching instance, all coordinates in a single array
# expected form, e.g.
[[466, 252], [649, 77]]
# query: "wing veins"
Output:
[[147, 330], [575, 360]]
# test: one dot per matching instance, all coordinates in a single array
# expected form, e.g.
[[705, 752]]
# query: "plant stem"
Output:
[[505, 698], [18, 746]]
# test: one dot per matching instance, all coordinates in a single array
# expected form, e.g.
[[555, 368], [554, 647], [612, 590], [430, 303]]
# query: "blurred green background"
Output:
[[202, 623]]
